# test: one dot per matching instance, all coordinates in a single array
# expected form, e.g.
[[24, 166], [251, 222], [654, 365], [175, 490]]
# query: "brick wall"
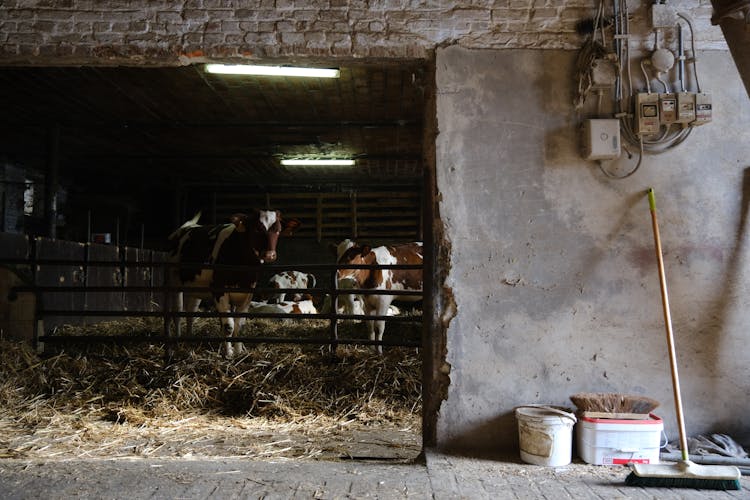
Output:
[[165, 31]]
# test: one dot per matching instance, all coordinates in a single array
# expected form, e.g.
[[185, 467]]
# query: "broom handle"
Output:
[[668, 324]]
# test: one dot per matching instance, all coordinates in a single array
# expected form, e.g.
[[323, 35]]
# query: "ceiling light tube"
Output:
[[249, 69], [340, 162]]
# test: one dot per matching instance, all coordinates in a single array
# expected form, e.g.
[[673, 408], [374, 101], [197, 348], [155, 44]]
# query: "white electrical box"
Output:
[[667, 108], [685, 107], [703, 108], [646, 113], [601, 139]]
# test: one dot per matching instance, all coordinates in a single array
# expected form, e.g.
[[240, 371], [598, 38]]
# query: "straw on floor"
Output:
[[276, 400]]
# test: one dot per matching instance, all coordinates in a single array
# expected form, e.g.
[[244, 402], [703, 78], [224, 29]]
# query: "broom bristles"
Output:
[[672, 482], [612, 402], [684, 474]]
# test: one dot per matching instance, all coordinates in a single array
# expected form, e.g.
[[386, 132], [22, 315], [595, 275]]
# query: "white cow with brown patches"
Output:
[[290, 279], [293, 307], [382, 279]]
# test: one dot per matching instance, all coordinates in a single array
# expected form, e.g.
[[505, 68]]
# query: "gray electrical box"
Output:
[[601, 139]]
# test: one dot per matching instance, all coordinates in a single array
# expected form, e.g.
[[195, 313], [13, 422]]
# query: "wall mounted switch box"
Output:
[[685, 107], [703, 108], [667, 108], [601, 139], [646, 113]]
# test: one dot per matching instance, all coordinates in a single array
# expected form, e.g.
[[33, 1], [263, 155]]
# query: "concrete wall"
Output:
[[553, 267]]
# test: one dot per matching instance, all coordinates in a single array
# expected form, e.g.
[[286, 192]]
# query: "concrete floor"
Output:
[[440, 476]]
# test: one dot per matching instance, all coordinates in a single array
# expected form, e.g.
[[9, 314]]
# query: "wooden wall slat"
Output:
[[339, 215]]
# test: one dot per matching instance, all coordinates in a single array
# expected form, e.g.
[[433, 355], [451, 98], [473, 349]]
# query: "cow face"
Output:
[[266, 226], [355, 255]]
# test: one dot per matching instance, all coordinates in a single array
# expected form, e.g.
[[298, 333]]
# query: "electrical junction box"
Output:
[[685, 107], [667, 108], [646, 113], [601, 139], [703, 108]]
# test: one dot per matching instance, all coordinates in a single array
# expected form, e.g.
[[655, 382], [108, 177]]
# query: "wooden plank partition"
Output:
[[333, 216]]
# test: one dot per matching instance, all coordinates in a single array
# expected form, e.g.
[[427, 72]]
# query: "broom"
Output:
[[614, 405], [683, 473]]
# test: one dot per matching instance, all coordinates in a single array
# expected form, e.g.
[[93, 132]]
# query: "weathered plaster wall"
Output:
[[553, 266]]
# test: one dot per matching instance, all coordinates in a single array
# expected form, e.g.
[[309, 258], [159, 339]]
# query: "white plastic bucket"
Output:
[[545, 435]]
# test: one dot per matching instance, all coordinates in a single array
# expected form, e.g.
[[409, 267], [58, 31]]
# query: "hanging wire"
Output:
[[631, 172], [692, 48], [669, 135]]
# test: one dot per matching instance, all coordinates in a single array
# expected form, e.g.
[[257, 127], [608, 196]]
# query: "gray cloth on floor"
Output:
[[715, 444]]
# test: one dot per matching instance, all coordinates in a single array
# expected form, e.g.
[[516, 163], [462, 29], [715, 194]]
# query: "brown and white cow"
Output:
[[290, 279], [348, 303], [382, 279], [305, 306], [248, 240]]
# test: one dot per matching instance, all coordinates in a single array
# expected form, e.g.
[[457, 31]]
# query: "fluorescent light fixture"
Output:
[[342, 163], [249, 69]]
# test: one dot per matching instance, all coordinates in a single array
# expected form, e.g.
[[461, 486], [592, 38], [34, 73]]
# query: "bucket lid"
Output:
[[541, 411]]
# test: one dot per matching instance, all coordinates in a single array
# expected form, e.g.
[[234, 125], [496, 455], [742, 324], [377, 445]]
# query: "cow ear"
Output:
[[289, 226], [366, 249], [239, 222]]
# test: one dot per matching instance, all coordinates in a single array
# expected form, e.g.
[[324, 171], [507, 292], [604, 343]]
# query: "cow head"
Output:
[[338, 250], [355, 255], [265, 227]]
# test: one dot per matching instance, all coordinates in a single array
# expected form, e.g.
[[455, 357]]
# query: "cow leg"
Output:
[[239, 322], [383, 305], [378, 306], [191, 305], [223, 305], [176, 306]]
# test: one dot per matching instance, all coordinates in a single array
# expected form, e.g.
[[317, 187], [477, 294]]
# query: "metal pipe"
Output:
[[51, 180], [681, 56]]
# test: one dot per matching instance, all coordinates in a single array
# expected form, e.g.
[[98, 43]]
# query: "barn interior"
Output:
[[121, 156], [135, 151]]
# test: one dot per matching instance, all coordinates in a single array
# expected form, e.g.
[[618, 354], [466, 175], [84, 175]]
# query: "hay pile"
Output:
[[274, 400]]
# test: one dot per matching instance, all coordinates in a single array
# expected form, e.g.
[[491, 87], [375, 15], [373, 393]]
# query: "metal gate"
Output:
[[84, 283]]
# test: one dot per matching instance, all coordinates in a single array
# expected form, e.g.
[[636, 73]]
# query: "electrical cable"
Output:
[[692, 47], [634, 170], [645, 75], [668, 136], [589, 53], [658, 77]]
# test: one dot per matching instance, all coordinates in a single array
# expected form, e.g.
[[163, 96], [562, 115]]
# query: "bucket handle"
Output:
[[550, 408]]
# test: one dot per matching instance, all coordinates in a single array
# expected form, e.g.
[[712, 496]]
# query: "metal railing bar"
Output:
[[207, 290], [216, 340], [197, 265], [175, 289], [175, 314]]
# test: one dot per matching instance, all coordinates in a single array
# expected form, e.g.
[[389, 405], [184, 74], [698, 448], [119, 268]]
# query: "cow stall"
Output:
[[108, 381]]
